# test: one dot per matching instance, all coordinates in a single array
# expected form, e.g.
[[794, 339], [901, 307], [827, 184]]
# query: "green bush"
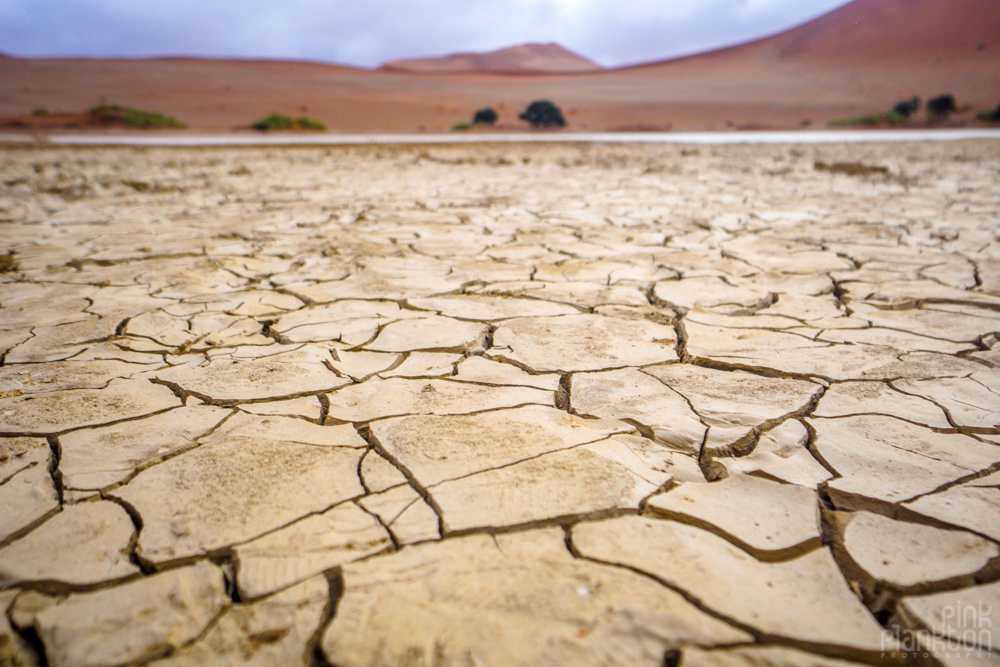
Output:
[[939, 107], [485, 116], [461, 127], [869, 119], [277, 121], [115, 113], [990, 116], [542, 113], [307, 123], [39, 111], [907, 108]]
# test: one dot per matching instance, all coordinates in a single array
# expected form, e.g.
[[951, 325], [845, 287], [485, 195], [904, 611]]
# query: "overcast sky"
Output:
[[369, 32]]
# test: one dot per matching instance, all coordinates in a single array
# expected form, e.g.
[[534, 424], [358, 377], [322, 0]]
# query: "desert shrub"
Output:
[[990, 115], [39, 111], [485, 116], [307, 123], [941, 106], [542, 113], [277, 121], [461, 127], [907, 108], [106, 114], [869, 119]]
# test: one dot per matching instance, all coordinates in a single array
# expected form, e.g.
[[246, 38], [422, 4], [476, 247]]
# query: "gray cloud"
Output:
[[369, 33]]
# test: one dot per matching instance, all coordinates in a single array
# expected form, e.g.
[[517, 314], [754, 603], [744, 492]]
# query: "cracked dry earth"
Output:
[[529, 405]]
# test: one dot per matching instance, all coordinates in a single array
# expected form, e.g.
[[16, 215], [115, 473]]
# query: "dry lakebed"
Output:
[[495, 405]]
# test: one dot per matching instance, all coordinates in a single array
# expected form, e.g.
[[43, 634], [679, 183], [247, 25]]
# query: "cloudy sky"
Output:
[[369, 32]]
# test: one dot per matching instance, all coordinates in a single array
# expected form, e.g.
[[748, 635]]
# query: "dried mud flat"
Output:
[[529, 405]]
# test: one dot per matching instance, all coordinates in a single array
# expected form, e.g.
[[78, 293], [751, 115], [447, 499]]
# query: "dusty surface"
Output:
[[862, 58], [531, 405]]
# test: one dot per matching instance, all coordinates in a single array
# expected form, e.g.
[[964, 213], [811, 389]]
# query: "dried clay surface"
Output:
[[493, 406]]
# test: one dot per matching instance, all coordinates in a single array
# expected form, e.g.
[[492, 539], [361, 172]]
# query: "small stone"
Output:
[[135, 621], [306, 548], [765, 518], [85, 544], [908, 554], [583, 343]]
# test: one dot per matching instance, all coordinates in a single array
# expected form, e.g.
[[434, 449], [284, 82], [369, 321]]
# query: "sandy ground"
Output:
[[754, 93], [861, 59], [500, 405]]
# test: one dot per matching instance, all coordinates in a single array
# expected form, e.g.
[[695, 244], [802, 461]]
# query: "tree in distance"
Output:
[[485, 116], [990, 115], [542, 113], [941, 106], [907, 108]]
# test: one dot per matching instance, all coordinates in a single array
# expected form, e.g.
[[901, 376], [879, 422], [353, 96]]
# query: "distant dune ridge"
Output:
[[858, 59], [520, 59], [869, 30]]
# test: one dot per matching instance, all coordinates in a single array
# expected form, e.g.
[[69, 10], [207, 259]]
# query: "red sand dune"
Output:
[[857, 59], [521, 59]]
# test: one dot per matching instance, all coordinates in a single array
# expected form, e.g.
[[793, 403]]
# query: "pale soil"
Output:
[[485, 405]]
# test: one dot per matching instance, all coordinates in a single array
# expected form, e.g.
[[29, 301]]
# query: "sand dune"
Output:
[[858, 59], [520, 59]]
